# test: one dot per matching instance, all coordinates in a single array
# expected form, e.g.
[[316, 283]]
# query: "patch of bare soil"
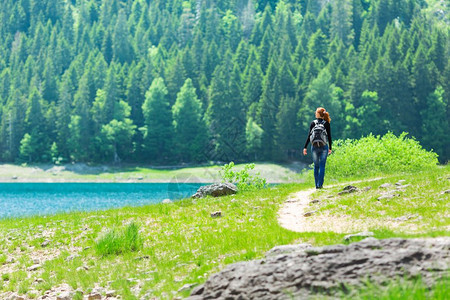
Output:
[[298, 214]]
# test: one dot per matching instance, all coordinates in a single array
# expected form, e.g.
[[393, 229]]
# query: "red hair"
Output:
[[323, 114]]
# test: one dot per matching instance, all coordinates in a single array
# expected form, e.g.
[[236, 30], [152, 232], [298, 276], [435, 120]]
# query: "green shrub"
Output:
[[242, 178], [374, 155], [119, 241]]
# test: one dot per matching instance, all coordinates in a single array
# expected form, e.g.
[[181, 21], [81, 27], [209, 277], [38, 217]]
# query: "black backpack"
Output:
[[319, 135]]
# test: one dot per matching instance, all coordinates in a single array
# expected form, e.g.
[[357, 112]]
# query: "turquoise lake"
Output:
[[26, 199]]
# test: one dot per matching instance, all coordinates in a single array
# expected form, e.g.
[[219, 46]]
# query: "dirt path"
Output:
[[294, 215]]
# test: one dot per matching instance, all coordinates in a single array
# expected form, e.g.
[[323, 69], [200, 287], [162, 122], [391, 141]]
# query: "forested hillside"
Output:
[[170, 81]]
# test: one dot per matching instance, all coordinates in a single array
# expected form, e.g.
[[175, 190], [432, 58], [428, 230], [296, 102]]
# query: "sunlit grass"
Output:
[[418, 204], [401, 289], [182, 243], [118, 241]]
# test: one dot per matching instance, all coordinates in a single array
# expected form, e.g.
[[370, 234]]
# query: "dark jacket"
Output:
[[328, 129]]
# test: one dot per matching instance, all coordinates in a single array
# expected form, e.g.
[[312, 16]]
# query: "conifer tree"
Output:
[[268, 108], [190, 134], [253, 86], [35, 147], [225, 114], [122, 49], [341, 21], [158, 138], [435, 124], [287, 137]]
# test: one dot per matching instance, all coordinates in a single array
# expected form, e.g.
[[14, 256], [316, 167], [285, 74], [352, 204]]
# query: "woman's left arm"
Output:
[[328, 128]]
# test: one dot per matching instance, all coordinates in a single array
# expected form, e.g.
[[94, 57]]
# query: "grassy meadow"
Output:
[[162, 251]]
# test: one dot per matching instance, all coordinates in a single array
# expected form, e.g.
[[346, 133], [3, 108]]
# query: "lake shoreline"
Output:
[[206, 174]]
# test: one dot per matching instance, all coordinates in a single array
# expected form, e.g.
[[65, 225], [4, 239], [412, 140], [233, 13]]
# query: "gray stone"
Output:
[[284, 249], [309, 213], [359, 234], [94, 296], [386, 197], [45, 243], [216, 214], [401, 219], [71, 257], [447, 192], [314, 201], [142, 257], [400, 186], [216, 190], [10, 260], [64, 296], [385, 185], [303, 274], [111, 293], [166, 201], [186, 287], [348, 189], [33, 267]]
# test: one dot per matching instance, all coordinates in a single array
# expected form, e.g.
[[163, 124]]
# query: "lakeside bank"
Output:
[[274, 173]]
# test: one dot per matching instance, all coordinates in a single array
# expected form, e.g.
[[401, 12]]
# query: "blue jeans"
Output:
[[319, 155]]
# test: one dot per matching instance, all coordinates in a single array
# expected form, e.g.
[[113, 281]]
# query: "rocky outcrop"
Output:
[[216, 190], [299, 272]]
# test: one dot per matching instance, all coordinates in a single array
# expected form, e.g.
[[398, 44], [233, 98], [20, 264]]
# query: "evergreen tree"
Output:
[[435, 124], [117, 135], [64, 111], [35, 145], [122, 49], [84, 57], [175, 78], [158, 138], [287, 138], [268, 108], [253, 86], [190, 134], [225, 114], [253, 135], [321, 93], [341, 21]]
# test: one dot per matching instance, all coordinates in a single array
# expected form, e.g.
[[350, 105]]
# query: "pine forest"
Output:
[[166, 82]]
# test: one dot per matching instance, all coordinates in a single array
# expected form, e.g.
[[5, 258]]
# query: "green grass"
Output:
[[119, 241], [419, 206], [401, 289], [179, 243]]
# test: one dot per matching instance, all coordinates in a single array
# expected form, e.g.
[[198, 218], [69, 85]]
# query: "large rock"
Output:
[[305, 271], [216, 190]]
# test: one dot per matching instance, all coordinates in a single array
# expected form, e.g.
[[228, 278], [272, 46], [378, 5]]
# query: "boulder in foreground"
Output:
[[216, 190], [305, 271]]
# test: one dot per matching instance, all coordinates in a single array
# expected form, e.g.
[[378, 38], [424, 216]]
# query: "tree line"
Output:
[[171, 81]]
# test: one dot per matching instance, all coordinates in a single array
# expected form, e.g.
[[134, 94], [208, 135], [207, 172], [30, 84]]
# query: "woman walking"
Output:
[[320, 138]]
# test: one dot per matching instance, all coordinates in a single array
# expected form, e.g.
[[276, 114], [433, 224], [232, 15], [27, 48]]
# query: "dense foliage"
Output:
[[169, 81], [242, 178], [374, 155]]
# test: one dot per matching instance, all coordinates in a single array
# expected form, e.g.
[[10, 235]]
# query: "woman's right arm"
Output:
[[311, 126]]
